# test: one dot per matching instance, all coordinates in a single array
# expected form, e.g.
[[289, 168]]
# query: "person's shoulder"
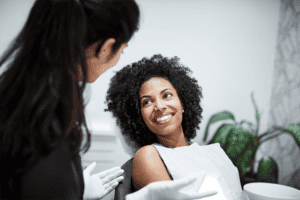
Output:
[[146, 157], [146, 150], [148, 167]]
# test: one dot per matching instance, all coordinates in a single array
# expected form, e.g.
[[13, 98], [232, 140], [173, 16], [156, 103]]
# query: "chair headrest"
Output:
[[130, 147]]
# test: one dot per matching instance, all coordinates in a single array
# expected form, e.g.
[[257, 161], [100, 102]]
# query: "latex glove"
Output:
[[99, 185], [172, 190]]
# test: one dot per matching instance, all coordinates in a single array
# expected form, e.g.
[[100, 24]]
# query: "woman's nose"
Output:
[[160, 105]]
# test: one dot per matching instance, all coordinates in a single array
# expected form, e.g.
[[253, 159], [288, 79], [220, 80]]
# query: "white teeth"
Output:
[[163, 118]]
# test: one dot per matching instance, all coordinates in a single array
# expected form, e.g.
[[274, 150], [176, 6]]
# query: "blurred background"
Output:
[[233, 47]]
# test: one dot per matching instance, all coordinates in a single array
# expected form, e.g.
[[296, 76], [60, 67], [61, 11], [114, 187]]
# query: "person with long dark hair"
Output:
[[63, 45]]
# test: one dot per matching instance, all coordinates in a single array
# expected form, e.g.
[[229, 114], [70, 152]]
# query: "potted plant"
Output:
[[241, 145]]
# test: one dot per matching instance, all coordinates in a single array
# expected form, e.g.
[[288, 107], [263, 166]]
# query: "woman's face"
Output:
[[161, 107]]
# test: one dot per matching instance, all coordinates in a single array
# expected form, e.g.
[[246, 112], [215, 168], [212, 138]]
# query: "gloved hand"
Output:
[[99, 185], [172, 190]]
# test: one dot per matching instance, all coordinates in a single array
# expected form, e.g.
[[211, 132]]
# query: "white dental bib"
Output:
[[221, 174]]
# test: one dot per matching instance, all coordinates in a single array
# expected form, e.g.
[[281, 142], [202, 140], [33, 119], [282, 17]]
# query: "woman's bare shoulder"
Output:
[[148, 167]]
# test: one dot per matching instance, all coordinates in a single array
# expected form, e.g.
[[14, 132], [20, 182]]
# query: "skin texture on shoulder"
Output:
[[148, 167]]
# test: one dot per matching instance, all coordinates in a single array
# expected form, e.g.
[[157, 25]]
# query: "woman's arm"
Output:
[[148, 167]]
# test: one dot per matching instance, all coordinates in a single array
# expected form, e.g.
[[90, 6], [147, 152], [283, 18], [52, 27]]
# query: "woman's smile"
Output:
[[164, 119]]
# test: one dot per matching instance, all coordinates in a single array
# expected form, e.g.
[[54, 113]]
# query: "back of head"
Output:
[[41, 98]]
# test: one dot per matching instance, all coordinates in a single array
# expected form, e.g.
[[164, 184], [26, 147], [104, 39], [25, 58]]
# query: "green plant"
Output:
[[242, 144]]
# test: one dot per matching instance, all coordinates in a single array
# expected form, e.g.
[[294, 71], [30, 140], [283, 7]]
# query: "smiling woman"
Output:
[[155, 101], [134, 104], [157, 106]]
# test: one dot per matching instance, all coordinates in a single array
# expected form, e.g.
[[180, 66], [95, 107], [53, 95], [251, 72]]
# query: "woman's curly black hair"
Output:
[[124, 102]]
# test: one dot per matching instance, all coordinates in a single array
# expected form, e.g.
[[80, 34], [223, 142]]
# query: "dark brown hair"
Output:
[[41, 99]]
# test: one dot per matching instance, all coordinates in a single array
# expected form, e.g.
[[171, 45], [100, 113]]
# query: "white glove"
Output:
[[99, 185], [172, 190]]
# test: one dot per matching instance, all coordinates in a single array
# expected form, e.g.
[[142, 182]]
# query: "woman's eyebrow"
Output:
[[160, 92]]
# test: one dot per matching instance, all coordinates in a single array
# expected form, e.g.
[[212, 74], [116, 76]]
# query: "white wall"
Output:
[[13, 15], [229, 45]]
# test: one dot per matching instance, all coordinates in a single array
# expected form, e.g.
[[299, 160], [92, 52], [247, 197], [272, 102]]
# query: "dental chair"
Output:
[[126, 186]]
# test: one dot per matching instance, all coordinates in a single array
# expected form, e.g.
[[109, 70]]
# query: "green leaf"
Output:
[[222, 134], [237, 141], [294, 130], [240, 148], [244, 161], [252, 131], [217, 117], [267, 170], [257, 116]]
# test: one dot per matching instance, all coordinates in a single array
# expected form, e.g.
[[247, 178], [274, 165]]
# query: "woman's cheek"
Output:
[[170, 102]]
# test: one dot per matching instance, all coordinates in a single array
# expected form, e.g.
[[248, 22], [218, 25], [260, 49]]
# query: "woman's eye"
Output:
[[145, 102], [168, 94]]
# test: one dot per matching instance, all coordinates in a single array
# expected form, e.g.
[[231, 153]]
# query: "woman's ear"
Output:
[[104, 60], [106, 49], [104, 53], [107, 58]]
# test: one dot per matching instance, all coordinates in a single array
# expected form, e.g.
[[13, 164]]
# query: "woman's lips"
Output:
[[164, 120]]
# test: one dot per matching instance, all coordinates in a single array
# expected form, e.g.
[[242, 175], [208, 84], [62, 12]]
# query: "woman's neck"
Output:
[[173, 142]]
